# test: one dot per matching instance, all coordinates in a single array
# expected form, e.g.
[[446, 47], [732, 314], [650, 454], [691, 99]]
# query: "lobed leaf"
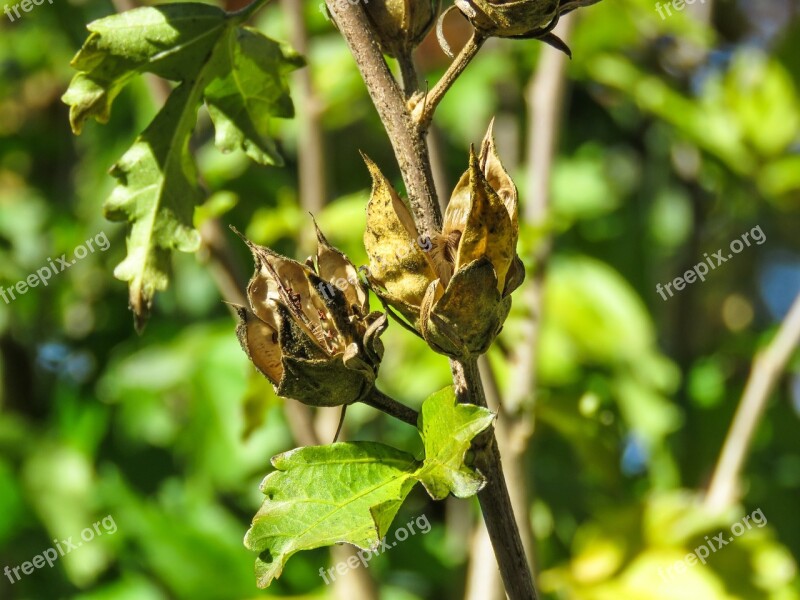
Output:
[[448, 428], [323, 495], [156, 192], [171, 41], [351, 492], [248, 89], [240, 73]]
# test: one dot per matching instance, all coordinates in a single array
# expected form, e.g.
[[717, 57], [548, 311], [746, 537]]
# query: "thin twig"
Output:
[[427, 105], [768, 366], [546, 105], [392, 407]]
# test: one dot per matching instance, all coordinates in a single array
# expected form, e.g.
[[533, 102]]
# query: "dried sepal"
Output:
[[259, 340], [487, 230], [499, 179], [397, 263], [470, 313], [333, 265]]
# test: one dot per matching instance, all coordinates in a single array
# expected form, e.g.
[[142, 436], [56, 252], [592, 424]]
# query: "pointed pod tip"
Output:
[[241, 311], [366, 158], [490, 130], [488, 146], [378, 178], [239, 233], [321, 239], [474, 159]]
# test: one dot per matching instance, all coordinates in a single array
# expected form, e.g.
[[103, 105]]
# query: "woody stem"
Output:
[[424, 109], [391, 407], [411, 150], [494, 498], [390, 102]]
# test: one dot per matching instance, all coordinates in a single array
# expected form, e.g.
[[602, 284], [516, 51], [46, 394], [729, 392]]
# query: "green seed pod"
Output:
[[401, 25], [316, 341]]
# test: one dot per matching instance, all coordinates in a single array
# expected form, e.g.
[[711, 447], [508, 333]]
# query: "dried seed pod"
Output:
[[316, 341], [401, 25], [457, 295], [519, 18]]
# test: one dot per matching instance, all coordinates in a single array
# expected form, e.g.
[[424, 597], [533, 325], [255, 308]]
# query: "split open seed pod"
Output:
[[308, 327]]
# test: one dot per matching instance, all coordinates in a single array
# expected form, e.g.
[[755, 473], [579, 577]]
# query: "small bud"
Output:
[[457, 295], [401, 25], [315, 343]]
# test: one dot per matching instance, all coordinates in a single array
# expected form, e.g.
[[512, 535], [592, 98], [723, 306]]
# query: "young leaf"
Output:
[[448, 429], [351, 492], [239, 72], [322, 495]]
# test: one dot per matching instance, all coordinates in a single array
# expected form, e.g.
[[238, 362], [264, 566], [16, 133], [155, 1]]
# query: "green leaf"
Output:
[[322, 495], [170, 41], [156, 192], [250, 87], [351, 492], [239, 72], [448, 429]]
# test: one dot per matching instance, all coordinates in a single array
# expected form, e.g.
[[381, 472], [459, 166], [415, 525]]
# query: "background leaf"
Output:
[[156, 192], [249, 88]]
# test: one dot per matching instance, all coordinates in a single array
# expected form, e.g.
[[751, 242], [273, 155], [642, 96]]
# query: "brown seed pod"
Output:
[[401, 25], [309, 329], [457, 295], [519, 18]]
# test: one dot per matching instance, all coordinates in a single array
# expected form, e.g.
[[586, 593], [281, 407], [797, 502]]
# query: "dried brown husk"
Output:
[[457, 295], [401, 25], [315, 343]]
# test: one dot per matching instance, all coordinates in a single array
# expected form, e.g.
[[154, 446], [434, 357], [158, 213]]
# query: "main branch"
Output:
[[409, 145], [494, 498]]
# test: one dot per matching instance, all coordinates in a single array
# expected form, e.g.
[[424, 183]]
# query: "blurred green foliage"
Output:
[[677, 137]]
